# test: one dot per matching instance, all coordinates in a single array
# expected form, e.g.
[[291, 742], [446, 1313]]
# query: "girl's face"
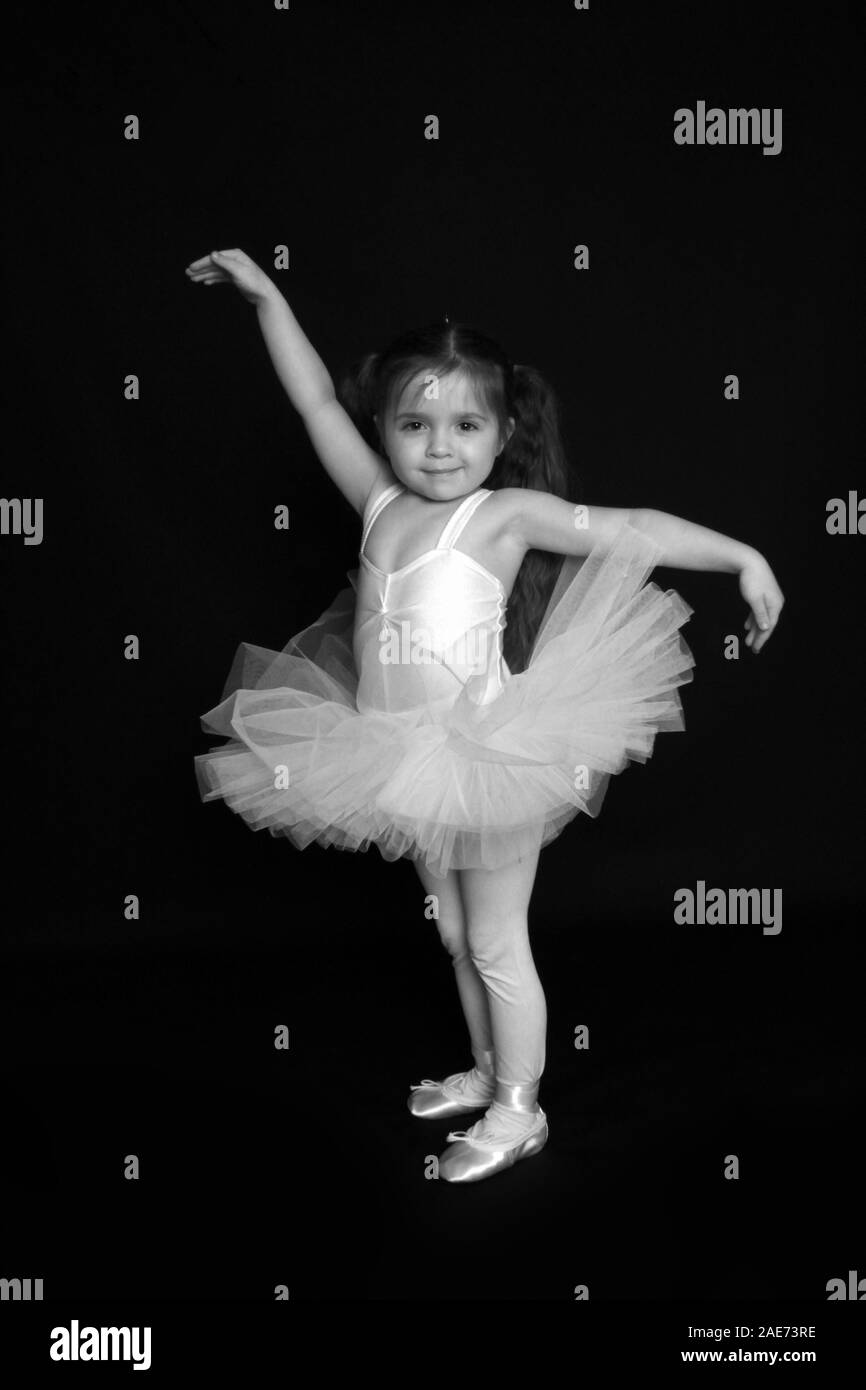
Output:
[[439, 439]]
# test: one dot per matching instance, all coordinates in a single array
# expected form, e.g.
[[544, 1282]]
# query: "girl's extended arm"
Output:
[[687, 546], [345, 455], [545, 522]]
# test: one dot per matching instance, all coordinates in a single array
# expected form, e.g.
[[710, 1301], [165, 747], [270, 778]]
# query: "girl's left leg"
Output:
[[496, 904], [514, 1126]]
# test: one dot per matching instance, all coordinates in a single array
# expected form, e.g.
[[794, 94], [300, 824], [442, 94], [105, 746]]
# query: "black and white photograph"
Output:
[[432, 583]]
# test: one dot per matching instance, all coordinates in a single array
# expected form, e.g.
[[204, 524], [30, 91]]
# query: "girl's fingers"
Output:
[[764, 636], [761, 613], [204, 261], [761, 622]]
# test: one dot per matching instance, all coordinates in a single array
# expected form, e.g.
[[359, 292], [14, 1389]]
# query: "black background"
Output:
[[155, 1037]]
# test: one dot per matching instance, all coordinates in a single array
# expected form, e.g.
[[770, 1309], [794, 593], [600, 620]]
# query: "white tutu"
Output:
[[466, 782]]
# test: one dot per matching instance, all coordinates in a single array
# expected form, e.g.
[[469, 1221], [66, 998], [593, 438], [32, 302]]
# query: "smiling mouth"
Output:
[[437, 472]]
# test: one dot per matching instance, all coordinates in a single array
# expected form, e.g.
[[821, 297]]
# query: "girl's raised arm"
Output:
[[345, 455]]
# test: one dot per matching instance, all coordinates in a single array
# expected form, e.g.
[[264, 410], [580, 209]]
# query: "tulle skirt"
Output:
[[462, 784]]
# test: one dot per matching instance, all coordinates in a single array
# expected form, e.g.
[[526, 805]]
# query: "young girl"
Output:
[[411, 717]]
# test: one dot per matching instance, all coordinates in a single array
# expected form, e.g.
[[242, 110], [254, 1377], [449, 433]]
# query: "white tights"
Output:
[[483, 925]]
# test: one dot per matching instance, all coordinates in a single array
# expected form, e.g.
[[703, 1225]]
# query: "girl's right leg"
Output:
[[451, 924]]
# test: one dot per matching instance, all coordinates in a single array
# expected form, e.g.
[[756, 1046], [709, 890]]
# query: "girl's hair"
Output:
[[533, 457]]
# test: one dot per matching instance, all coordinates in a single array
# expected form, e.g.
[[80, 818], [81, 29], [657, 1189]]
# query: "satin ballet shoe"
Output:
[[455, 1095], [492, 1144], [458, 1093]]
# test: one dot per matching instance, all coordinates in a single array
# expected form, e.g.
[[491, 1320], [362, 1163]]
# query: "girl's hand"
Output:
[[232, 268], [763, 595]]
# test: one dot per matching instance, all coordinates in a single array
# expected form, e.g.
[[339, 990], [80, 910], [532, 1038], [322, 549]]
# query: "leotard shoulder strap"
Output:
[[374, 508], [452, 528], [459, 518]]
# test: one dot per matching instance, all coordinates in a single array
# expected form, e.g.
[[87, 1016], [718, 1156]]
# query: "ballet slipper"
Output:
[[458, 1093], [493, 1144]]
